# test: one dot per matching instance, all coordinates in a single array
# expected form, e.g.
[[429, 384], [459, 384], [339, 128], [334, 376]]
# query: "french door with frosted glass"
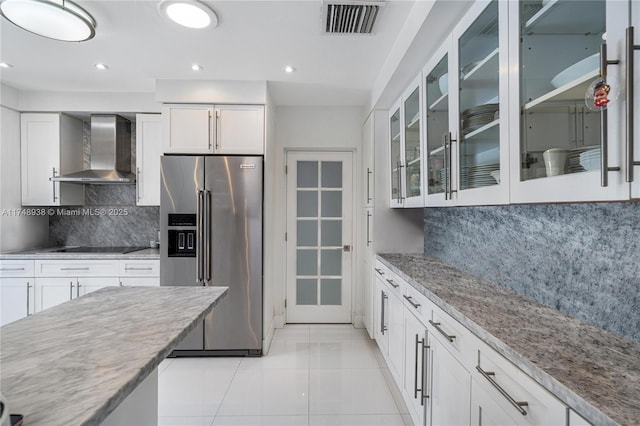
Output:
[[319, 216]]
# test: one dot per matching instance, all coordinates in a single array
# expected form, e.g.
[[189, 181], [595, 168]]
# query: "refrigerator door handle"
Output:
[[207, 237], [200, 245]]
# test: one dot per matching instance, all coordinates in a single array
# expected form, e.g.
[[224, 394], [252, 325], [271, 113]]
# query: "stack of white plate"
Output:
[[477, 116], [573, 158], [590, 159], [478, 176]]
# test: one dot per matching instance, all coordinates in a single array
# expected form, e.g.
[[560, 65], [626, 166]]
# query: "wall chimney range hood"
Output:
[[110, 153]]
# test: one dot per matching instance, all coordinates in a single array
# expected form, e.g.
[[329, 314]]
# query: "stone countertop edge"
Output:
[[145, 254], [561, 373], [91, 407]]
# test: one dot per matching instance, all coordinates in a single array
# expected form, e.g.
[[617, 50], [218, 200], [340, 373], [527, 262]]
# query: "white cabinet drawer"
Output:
[[393, 283], [454, 336], [140, 268], [140, 281], [418, 304], [77, 268], [514, 392], [16, 268]]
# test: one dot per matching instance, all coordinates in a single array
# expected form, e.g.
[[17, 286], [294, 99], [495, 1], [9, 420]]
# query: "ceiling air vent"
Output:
[[350, 17]]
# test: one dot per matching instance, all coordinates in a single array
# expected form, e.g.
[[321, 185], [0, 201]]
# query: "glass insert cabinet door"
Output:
[[411, 142], [395, 157], [479, 101], [436, 128], [560, 132]]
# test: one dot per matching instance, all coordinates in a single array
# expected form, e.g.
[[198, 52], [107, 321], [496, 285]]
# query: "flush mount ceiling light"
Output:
[[190, 14], [289, 69], [56, 19], [196, 67], [101, 66], [5, 65]]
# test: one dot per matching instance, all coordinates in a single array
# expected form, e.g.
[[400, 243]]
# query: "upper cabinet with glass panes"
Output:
[[558, 134]]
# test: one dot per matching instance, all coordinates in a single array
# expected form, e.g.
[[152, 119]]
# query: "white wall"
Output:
[[16, 231], [307, 128]]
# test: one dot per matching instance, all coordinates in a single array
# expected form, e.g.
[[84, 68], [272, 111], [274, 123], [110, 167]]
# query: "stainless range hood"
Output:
[[110, 153]]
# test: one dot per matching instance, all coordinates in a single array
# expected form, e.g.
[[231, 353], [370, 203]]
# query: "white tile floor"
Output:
[[313, 375]]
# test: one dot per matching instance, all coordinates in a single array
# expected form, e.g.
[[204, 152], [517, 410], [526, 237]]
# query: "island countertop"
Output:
[[76, 362], [591, 370]]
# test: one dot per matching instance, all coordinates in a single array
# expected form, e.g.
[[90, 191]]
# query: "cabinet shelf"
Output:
[[414, 161], [558, 17], [485, 69], [415, 121], [572, 91], [438, 150], [395, 137], [440, 104], [482, 129]]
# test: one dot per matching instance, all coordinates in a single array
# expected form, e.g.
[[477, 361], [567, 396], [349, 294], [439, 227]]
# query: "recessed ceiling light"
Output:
[[102, 66], [196, 67], [289, 69], [5, 65], [56, 19], [189, 13]]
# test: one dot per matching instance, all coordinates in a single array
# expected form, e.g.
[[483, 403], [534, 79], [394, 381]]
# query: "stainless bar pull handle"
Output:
[[410, 300], [604, 130], [138, 172], [368, 230], [379, 271], [436, 325], [211, 131], [447, 170], [137, 269], [28, 305], [70, 290], [217, 130], [400, 197], [12, 269], [416, 389], [75, 269], [78, 290], [450, 178], [383, 327], [54, 173], [207, 235], [200, 245], [369, 173], [629, 130], [394, 285], [425, 369], [517, 404]]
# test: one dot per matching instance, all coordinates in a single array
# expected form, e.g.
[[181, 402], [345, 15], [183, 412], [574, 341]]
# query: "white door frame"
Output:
[[348, 260]]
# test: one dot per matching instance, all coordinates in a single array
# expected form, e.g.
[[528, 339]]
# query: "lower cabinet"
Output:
[[450, 387], [139, 272], [17, 299], [53, 291], [446, 374], [415, 375]]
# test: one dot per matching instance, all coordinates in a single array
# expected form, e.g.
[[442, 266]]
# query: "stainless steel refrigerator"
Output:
[[211, 224]]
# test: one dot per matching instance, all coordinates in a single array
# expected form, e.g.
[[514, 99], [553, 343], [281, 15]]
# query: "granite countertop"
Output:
[[49, 254], [594, 372], [76, 362]]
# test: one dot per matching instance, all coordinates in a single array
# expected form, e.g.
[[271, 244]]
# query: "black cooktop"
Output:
[[94, 249]]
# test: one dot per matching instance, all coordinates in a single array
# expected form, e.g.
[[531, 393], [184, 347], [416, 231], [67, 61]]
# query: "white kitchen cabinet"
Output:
[[208, 129], [139, 272], [389, 331], [396, 336], [555, 59], [240, 129], [380, 306], [450, 386], [405, 148], [148, 152], [17, 299], [503, 394], [368, 290], [17, 294], [50, 145], [415, 357], [58, 281]]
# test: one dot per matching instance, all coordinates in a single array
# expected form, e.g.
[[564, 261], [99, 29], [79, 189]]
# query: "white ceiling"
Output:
[[253, 41]]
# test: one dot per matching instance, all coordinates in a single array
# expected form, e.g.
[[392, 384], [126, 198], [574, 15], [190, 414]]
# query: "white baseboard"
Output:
[[358, 321], [278, 321]]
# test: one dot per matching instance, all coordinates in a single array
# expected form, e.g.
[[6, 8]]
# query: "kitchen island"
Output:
[[75, 363]]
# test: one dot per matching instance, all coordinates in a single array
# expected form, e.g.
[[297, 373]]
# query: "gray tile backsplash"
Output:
[[115, 218], [582, 259]]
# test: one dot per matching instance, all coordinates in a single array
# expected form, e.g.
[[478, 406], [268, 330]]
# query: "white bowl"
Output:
[[496, 175], [443, 83], [576, 70]]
